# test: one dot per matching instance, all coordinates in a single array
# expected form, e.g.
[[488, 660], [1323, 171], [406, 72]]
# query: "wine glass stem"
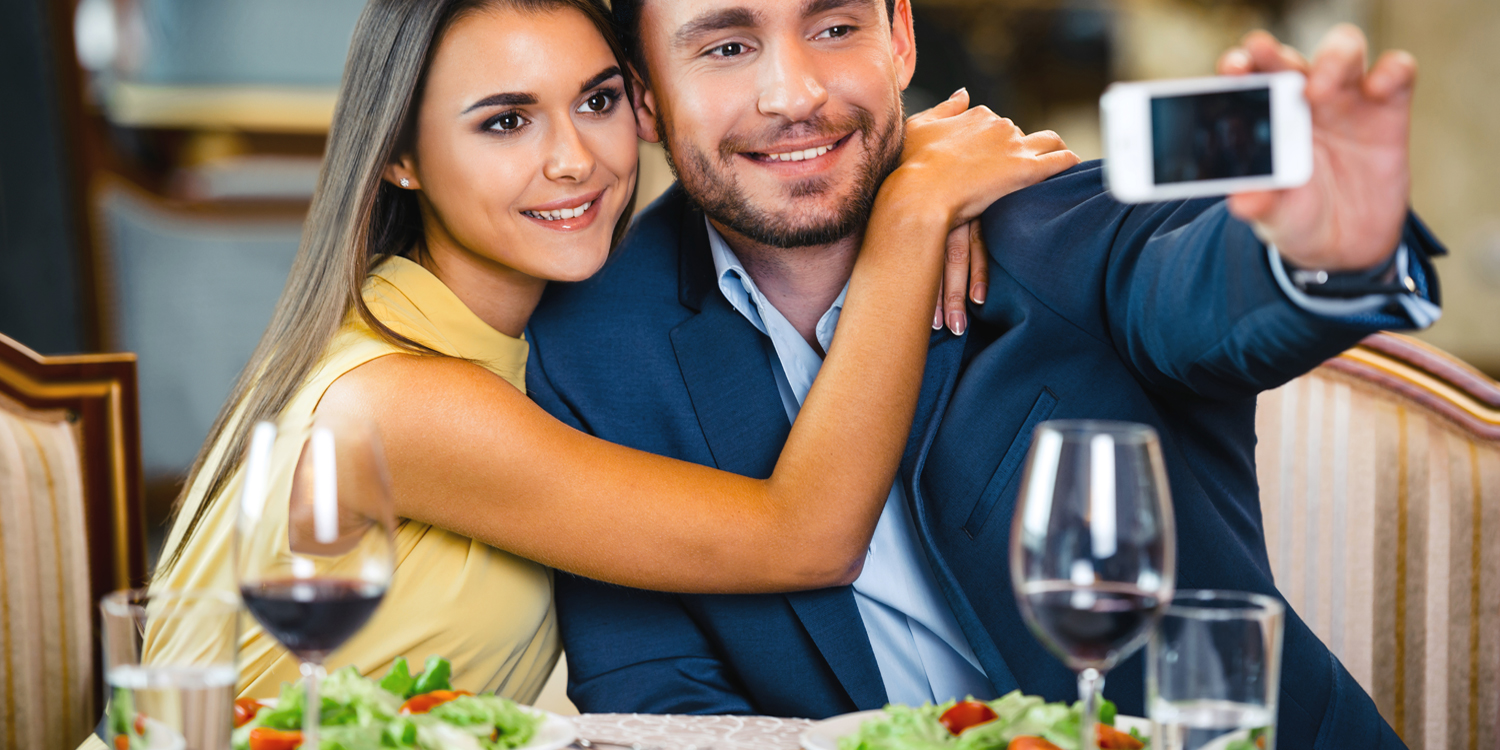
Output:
[[1090, 684], [312, 672]]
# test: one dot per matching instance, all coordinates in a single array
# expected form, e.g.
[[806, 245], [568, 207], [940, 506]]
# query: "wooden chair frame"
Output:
[[1429, 376], [99, 393]]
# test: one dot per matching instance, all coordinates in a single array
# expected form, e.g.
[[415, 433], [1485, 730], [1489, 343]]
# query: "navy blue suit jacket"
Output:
[[1164, 314]]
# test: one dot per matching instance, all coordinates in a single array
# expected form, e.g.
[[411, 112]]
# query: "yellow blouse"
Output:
[[487, 611]]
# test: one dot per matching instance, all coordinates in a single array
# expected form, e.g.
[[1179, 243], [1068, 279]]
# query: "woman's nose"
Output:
[[568, 158]]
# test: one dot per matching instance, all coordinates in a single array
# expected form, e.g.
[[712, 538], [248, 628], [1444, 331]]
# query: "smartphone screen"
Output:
[[1211, 136]]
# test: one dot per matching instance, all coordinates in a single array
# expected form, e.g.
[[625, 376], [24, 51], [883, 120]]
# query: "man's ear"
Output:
[[903, 42], [402, 173], [643, 101]]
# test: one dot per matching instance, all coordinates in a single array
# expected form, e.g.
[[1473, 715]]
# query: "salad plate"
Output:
[[825, 734], [553, 733], [402, 711]]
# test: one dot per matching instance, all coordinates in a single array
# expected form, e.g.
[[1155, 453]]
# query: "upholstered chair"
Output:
[[71, 530], [1380, 492]]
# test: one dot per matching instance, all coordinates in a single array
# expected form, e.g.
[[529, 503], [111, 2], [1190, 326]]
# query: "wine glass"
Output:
[[315, 540], [1092, 547]]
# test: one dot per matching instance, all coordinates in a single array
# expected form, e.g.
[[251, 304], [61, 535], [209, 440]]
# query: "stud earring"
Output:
[[405, 182]]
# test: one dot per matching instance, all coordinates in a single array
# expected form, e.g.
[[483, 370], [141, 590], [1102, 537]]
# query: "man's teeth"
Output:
[[811, 153], [560, 214]]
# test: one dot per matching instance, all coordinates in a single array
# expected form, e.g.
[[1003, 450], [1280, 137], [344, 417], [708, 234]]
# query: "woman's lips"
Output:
[[568, 218]]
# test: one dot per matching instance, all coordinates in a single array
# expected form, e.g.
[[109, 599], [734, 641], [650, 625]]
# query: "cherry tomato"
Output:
[[122, 742], [245, 709], [1031, 743], [1113, 739], [965, 714], [266, 738], [421, 704], [140, 724]]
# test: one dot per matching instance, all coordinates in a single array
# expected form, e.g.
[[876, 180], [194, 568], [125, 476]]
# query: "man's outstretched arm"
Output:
[[1191, 294]]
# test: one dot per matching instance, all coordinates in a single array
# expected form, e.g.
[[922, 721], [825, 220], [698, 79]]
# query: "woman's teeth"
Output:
[[560, 214], [811, 153]]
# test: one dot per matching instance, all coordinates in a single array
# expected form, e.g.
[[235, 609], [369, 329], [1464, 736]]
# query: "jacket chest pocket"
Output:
[[1043, 408]]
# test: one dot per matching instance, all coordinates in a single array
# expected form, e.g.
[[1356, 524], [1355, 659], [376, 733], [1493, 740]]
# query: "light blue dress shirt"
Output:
[[921, 651]]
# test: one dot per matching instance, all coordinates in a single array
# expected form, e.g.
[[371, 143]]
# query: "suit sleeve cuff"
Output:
[[1410, 310]]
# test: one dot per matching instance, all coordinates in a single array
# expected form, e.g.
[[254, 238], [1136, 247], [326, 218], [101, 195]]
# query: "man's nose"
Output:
[[568, 157], [790, 85]]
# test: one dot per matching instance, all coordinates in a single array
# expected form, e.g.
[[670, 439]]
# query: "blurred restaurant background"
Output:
[[157, 156]]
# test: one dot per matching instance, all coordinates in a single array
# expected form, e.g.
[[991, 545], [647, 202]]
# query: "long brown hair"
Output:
[[356, 219]]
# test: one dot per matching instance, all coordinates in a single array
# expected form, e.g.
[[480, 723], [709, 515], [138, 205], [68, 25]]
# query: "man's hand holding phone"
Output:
[[1350, 215]]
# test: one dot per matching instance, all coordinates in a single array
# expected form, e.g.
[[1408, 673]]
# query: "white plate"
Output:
[[825, 734], [554, 733]]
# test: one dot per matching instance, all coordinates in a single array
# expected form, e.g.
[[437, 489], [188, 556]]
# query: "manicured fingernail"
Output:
[[980, 292], [957, 321], [960, 91], [937, 320], [1239, 58]]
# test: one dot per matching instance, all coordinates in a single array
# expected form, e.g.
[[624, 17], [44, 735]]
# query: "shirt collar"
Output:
[[739, 288]]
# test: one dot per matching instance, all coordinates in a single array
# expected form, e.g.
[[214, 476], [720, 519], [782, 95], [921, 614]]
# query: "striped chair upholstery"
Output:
[[70, 530], [1380, 491]]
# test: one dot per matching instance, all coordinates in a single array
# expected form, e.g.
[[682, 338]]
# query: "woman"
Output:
[[479, 149]]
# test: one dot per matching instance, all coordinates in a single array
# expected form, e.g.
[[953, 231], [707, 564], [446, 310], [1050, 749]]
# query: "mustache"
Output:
[[820, 125]]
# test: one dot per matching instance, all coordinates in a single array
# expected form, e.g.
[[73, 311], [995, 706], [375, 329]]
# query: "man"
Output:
[[702, 336]]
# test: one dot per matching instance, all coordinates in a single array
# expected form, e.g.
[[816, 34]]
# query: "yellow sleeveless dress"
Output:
[[487, 611]]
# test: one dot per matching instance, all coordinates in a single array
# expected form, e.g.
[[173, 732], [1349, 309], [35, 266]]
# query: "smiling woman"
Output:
[[480, 149]]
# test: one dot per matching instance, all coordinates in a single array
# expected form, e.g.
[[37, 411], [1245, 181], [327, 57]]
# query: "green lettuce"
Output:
[[360, 714], [1017, 715]]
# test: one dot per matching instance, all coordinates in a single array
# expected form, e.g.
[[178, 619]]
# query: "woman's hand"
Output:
[[961, 160]]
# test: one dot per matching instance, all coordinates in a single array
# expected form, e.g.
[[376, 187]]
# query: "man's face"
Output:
[[781, 117]]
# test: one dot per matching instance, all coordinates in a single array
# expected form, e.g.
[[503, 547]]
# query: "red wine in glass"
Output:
[[315, 539], [1092, 550], [1090, 626], [312, 616]]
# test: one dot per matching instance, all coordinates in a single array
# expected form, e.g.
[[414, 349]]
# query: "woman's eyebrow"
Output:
[[600, 77], [503, 100]]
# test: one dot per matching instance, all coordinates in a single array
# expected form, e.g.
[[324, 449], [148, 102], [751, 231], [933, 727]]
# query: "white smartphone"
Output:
[[1194, 137]]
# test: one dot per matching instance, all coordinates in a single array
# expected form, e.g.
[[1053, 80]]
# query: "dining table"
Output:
[[679, 732]]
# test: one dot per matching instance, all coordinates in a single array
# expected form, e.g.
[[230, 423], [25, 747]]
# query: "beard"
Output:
[[710, 181]]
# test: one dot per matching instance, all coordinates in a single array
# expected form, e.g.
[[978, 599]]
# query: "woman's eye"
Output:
[[597, 103], [506, 122], [732, 49]]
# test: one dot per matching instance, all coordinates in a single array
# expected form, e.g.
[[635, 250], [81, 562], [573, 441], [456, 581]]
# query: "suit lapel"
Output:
[[944, 362], [726, 366]]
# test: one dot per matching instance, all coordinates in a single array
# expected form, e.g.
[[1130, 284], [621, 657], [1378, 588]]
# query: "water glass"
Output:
[[1213, 670], [169, 668]]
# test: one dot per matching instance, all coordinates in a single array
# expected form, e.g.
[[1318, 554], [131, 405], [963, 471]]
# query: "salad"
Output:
[[1010, 722], [400, 712]]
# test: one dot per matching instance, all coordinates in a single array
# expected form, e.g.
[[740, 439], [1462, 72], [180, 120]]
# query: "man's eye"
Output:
[[506, 122], [833, 32], [732, 49], [599, 102]]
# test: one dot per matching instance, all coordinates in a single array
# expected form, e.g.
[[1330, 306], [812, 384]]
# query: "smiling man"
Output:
[[704, 333]]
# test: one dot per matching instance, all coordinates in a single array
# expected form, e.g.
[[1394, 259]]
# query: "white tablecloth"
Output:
[[693, 732]]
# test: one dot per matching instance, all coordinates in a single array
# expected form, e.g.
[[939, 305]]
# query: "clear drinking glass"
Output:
[[1092, 547], [1213, 670], [314, 570], [169, 668]]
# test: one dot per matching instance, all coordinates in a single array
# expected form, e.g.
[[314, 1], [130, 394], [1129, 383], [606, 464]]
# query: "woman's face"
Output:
[[525, 150]]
